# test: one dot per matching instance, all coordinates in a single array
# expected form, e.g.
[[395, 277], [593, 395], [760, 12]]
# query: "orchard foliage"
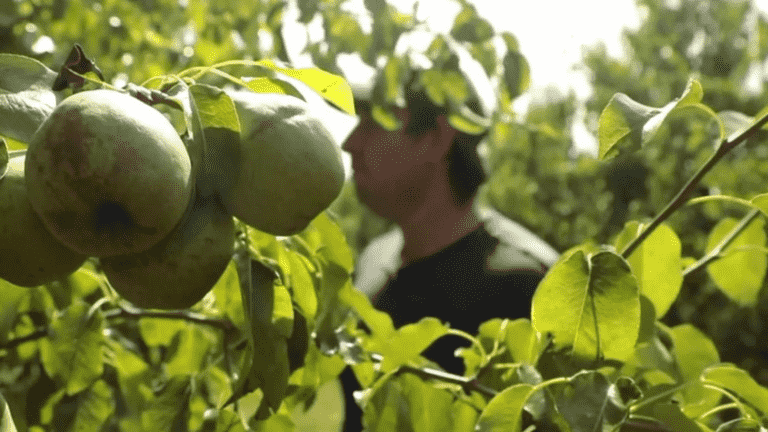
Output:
[[284, 318]]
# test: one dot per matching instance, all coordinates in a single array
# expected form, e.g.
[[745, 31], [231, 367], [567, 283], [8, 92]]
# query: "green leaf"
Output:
[[428, 405], [248, 405], [331, 87], [504, 412], [670, 415], [523, 342], [694, 352], [739, 274], [269, 368], [160, 332], [738, 381], [582, 400], [517, 73], [656, 263], [188, 354], [9, 311], [628, 125], [166, 404], [215, 148], [282, 315], [620, 125], [590, 305], [3, 158], [6, 421], [95, 407], [26, 98], [407, 342], [74, 352]]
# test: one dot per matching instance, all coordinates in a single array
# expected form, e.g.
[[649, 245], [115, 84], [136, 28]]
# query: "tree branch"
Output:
[[466, 383], [725, 146], [40, 333], [135, 313]]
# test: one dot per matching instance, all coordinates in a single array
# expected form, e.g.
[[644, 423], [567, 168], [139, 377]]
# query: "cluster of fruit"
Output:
[[107, 176]]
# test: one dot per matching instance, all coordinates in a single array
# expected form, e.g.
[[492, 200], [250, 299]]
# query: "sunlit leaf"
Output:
[[592, 306], [656, 264], [738, 381], [407, 342], [505, 411], [694, 352], [739, 274]]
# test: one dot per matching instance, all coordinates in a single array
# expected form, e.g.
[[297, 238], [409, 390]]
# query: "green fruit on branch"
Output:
[[177, 272], [29, 254], [108, 174], [290, 169]]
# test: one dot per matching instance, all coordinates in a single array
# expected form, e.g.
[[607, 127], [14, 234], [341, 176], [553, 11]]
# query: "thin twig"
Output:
[[196, 318], [467, 383]]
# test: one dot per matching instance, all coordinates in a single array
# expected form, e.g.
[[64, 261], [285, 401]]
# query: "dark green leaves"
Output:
[[590, 304]]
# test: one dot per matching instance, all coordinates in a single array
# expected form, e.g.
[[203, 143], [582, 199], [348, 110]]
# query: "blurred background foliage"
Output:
[[536, 177]]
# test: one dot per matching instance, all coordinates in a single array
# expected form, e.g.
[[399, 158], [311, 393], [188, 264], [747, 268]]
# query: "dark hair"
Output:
[[465, 170]]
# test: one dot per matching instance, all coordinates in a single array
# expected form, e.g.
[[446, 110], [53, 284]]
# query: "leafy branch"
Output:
[[725, 146]]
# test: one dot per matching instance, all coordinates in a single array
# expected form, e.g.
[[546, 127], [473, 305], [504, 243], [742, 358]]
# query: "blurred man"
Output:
[[446, 258]]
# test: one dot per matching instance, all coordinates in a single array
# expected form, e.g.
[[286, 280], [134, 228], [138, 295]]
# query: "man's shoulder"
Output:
[[378, 260], [518, 246]]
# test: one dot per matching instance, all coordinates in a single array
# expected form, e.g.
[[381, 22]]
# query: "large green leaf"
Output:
[[694, 352], [504, 413], [590, 304], [656, 263], [740, 273], [407, 342], [629, 125], [26, 98], [74, 352], [738, 381]]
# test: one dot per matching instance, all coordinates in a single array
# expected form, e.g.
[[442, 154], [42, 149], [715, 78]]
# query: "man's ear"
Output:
[[442, 137]]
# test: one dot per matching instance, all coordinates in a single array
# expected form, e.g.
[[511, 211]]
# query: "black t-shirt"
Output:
[[456, 286]]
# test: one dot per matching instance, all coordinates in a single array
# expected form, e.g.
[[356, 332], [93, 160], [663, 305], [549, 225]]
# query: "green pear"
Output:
[[177, 272], [290, 167], [29, 254], [108, 174]]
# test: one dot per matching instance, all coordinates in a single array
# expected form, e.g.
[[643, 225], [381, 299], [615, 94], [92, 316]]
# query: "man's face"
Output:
[[391, 168]]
